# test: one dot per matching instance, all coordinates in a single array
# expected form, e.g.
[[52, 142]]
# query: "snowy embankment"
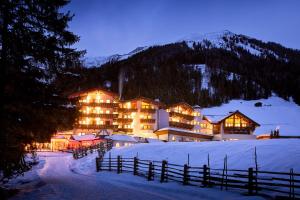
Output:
[[274, 113], [59, 176], [273, 155]]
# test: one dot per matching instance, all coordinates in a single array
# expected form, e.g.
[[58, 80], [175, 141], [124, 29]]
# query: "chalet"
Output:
[[234, 126], [98, 110]]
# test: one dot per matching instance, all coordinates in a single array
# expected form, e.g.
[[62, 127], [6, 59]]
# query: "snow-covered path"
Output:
[[59, 178]]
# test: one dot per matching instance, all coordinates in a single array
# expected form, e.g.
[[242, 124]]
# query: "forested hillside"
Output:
[[235, 66]]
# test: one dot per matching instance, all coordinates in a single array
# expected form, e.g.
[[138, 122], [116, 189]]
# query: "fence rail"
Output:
[[285, 185], [101, 147]]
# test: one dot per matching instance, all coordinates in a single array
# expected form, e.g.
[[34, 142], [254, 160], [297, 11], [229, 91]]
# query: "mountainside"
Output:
[[205, 69]]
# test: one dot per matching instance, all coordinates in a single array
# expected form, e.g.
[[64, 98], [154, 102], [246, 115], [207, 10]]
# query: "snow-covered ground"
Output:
[[275, 113], [274, 155], [58, 176]]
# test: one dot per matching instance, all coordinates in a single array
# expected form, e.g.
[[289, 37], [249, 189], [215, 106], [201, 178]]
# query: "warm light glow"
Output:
[[107, 111], [107, 101], [117, 144], [88, 98], [87, 110], [98, 98]]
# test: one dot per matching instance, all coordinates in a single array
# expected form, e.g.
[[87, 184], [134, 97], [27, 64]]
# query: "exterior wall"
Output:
[[142, 118], [163, 119], [122, 143], [222, 135]]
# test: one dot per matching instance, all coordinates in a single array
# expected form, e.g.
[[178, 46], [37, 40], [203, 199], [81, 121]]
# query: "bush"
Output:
[[258, 104]]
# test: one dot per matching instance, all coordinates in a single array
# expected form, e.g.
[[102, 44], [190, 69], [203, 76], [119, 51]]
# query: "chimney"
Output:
[[121, 82]]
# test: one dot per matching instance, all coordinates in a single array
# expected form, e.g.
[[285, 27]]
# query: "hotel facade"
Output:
[[101, 112]]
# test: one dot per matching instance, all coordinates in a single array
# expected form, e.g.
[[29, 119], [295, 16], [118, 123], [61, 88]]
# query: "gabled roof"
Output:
[[85, 92], [120, 137], [84, 137], [183, 104], [219, 118]]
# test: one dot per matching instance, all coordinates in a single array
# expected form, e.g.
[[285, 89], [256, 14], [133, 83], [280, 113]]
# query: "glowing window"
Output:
[[107, 101]]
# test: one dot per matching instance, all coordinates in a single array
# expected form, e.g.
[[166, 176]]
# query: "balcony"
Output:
[[100, 115], [150, 121], [127, 110], [126, 130], [237, 130], [184, 116], [148, 110], [95, 126], [96, 104], [124, 120], [181, 125]]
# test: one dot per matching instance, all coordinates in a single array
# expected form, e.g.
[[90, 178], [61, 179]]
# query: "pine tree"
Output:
[[35, 48]]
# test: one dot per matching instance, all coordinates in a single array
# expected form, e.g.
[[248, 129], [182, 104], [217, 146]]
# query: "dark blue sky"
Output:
[[118, 26]]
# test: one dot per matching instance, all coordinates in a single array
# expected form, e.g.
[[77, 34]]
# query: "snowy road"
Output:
[[58, 178]]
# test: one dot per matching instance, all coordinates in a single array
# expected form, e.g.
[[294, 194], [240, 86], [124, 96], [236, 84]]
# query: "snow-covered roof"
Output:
[[84, 137], [215, 118], [119, 137], [179, 130]]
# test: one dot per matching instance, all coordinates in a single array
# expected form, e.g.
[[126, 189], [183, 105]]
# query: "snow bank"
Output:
[[275, 113], [274, 155]]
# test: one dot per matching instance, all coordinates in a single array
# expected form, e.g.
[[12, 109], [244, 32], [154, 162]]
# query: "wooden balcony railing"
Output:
[[148, 110], [237, 130], [100, 115], [95, 126], [124, 120], [126, 110], [126, 130], [150, 121], [181, 125], [103, 105], [184, 116]]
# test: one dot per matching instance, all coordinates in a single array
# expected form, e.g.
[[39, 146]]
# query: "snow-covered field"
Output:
[[58, 176], [275, 155], [275, 113]]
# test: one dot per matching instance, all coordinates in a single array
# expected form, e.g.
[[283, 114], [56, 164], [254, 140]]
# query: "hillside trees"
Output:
[[35, 49]]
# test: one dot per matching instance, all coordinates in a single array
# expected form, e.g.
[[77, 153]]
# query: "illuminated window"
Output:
[[173, 138], [147, 127], [145, 105], [147, 117], [107, 101], [101, 101], [107, 111], [98, 98], [127, 126], [117, 144]]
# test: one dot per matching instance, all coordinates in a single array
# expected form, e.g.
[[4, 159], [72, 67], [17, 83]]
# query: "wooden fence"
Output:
[[282, 185], [101, 147]]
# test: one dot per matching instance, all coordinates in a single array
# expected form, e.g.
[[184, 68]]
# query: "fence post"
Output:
[[135, 166], [150, 171], [98, 164], [163, 171], [204, 183], [109, 162], [185, 174], [119, 169], [292, 186], [250, 181]]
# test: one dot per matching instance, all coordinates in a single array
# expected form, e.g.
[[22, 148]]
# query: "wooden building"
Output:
[[234, 126]]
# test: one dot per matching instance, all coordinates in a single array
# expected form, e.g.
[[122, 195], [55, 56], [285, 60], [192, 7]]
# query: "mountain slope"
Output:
[[206, 70]]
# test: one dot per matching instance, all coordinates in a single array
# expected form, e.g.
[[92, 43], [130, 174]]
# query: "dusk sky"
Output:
[[109, 27]]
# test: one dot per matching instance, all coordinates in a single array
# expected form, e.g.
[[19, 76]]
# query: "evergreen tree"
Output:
[[35, 49]]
